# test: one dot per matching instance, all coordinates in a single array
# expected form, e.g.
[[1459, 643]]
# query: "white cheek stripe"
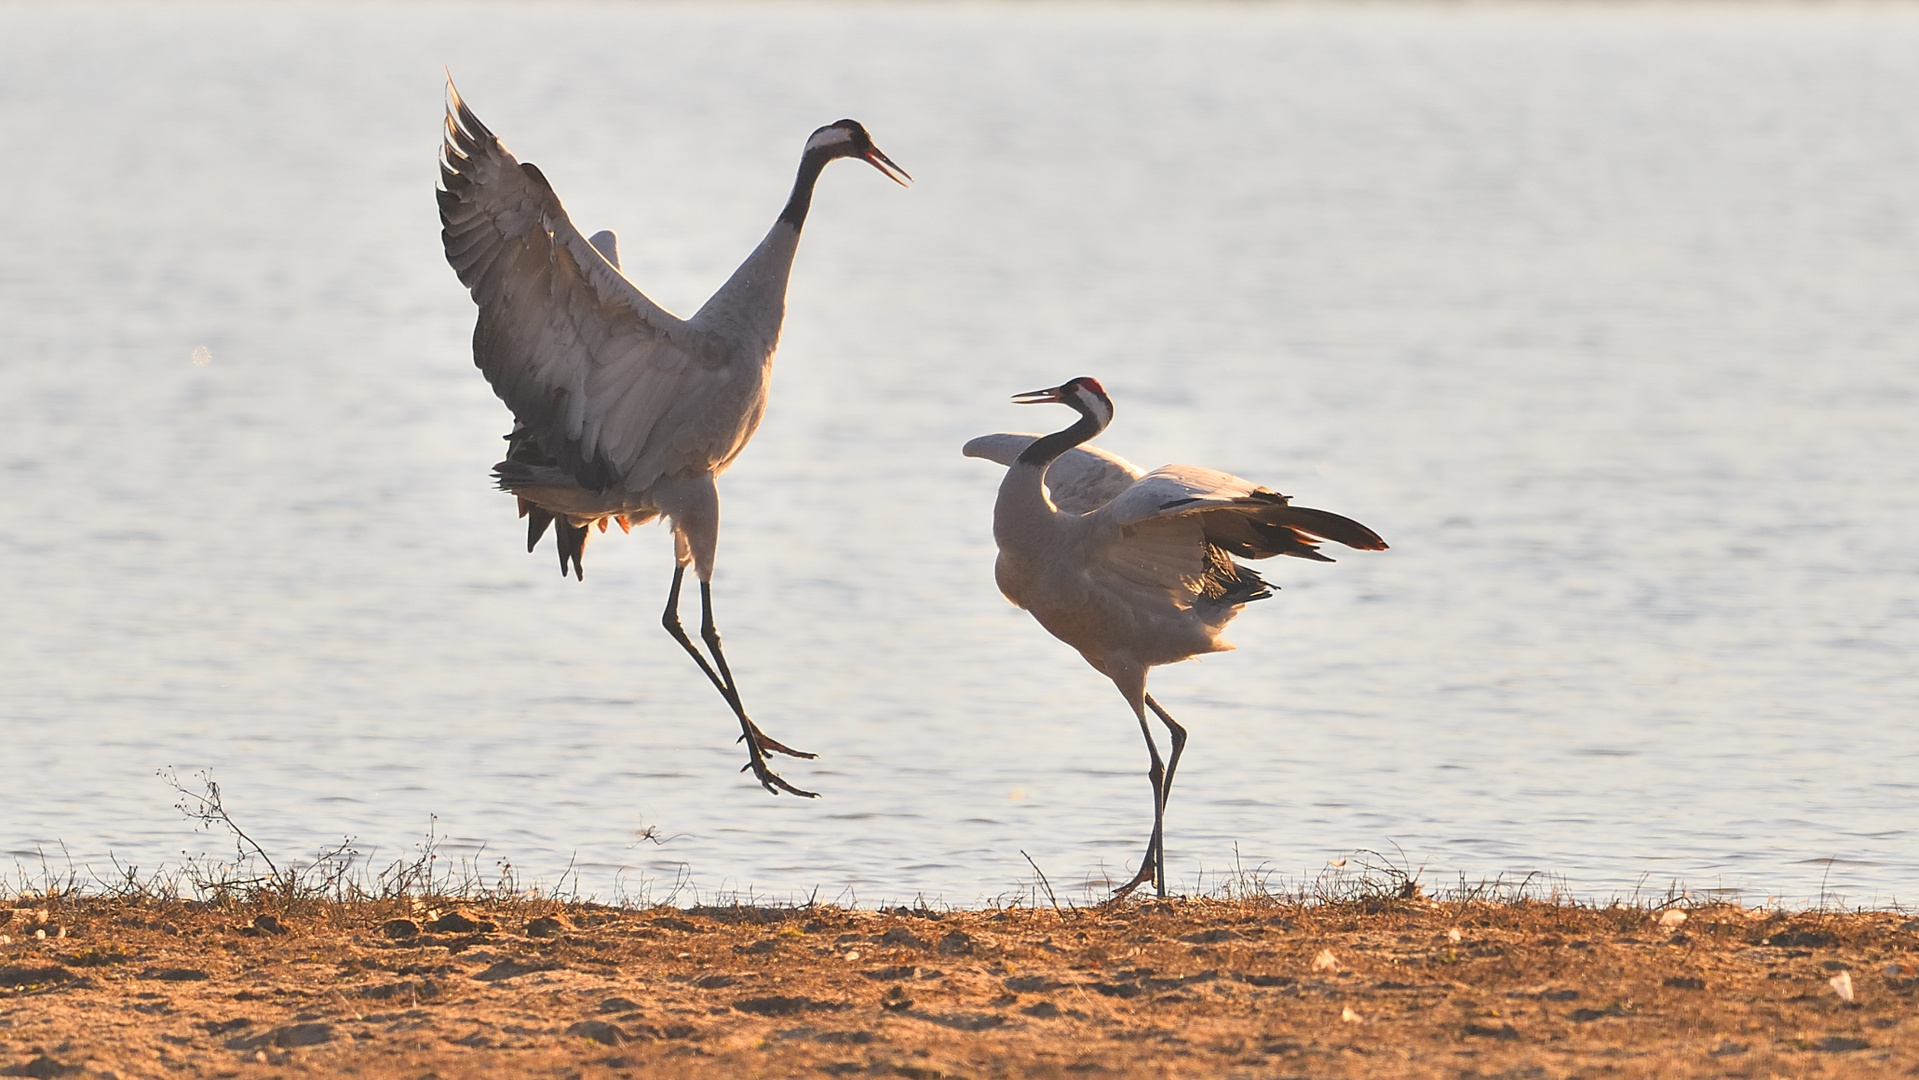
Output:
[[1094, 404], [831, 136]]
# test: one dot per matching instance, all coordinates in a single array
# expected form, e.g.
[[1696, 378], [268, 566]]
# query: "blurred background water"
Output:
[[1603, 316]]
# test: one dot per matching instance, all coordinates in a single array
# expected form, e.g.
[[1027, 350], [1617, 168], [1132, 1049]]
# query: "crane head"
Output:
[[848, 138], [1084, 394]]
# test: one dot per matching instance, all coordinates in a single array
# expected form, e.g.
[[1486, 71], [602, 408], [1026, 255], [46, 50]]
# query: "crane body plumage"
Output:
[[1135, 569], [622, 411]]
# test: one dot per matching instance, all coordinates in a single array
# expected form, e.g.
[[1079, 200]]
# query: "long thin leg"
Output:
[[1149, 867], [710, 633], [670, 619], [749, 732], [1178, 734]]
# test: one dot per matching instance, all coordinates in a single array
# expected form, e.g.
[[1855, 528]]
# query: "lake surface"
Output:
[[1607, 319]]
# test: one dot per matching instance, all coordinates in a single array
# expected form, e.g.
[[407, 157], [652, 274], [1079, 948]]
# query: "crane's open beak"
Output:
[[1036, 397], [885, 164]]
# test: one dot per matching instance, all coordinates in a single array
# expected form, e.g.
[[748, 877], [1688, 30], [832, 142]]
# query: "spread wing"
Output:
[[1082, 480], [1176, 529], [610, 384], [1236, 515]]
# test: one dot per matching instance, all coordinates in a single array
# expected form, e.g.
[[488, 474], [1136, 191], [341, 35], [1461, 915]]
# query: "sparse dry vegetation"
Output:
[[142, 986], [339, 966]]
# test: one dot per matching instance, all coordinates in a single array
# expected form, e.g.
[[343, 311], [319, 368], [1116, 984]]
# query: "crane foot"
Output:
[[770, 745], [772, 781], [1144, 877]]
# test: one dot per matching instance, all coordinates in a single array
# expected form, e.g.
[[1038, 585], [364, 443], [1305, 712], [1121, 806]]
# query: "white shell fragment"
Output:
[[1842, 985]]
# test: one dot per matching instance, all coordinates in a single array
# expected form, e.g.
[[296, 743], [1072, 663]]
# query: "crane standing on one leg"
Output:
[[1135, 570], [621, 410]]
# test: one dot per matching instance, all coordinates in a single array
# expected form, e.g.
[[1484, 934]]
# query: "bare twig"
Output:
[[208, 810], [1047, 885]]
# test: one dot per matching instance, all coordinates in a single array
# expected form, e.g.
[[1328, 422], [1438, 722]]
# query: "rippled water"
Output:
[[1607, 319]]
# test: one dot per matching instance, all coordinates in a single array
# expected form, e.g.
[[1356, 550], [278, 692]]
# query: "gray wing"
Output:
[[1081, 481], [1237, 515], [615, 389], [1176, 528]]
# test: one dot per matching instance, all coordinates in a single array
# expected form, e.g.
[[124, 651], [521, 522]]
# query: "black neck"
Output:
[[1046, 448], [802, 198]]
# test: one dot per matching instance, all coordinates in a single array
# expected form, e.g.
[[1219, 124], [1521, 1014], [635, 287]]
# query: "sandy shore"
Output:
[[100, 987]]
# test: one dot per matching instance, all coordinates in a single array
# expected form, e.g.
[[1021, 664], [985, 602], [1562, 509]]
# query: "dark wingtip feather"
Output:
[[1326, 525], [1305, 549]]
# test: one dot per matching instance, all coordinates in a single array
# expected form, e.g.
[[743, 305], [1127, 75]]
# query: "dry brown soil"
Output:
[[1191, 988]]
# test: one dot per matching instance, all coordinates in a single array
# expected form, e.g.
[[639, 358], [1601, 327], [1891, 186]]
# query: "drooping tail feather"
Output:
[[525, 458], [571, 540], [1227, 583], [568, 537], [536, 522]]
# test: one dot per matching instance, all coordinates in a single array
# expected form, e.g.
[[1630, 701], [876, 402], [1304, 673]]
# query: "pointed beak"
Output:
[[1036, 397], [885, 164]]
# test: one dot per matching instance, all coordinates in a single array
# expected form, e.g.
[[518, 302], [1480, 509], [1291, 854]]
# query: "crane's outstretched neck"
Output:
[[752, 304], [798, 203], [748, 309]]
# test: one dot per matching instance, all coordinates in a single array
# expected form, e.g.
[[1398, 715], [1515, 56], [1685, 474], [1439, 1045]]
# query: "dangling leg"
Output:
[[756, 742], [692, 503], [1166, 786], [710, 633]]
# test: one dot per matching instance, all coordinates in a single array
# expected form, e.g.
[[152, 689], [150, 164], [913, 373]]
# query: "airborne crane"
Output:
[[622, 411]]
